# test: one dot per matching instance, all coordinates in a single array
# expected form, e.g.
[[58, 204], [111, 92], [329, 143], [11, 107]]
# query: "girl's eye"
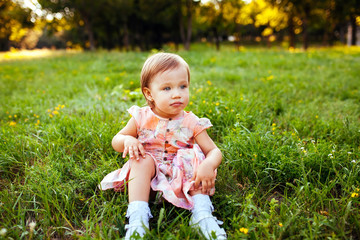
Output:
[[167, 88], [183, 86]]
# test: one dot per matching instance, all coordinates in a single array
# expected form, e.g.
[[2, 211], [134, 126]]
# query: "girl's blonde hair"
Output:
[[159, 63]]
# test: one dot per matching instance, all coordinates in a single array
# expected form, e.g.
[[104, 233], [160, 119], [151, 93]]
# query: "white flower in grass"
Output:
[[333, 150], [353, 161], [3, 232], [330, 155], [349, 153], [32, 226], [302, 148]]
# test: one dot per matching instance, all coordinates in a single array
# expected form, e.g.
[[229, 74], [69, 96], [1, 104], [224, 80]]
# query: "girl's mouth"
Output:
[[176, 104]]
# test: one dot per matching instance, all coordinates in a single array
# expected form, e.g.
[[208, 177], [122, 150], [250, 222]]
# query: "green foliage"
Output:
[[286, 122]]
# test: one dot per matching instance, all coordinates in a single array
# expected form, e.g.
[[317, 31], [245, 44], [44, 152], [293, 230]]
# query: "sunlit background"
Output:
[[155, 24]]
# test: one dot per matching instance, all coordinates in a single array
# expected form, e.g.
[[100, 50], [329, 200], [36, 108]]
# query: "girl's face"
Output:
[[169, 91]]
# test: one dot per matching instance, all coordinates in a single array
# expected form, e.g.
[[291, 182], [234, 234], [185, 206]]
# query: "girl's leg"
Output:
[[202, 216], [141, 173]]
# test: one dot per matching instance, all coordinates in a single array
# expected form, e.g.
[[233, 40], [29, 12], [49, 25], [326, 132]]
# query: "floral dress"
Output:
[[171, 144]]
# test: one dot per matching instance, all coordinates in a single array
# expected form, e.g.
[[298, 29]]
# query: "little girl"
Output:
[[169, 150]]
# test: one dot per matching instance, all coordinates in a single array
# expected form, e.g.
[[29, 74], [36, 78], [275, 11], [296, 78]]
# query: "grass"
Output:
[[287, 123]]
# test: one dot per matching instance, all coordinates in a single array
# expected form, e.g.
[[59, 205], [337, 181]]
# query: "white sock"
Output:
[[202, 202], [202, 217], [139, 214]]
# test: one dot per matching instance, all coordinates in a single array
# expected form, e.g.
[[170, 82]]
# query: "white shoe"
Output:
[[208, 225], [139, 214], [135, 228]]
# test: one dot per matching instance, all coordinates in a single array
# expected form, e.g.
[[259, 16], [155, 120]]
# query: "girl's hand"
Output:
[[205, 175], [133, 147]]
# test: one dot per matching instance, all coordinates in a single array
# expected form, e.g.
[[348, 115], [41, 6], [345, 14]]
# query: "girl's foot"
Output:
[[203, 219], [208, 225], [139, 214]]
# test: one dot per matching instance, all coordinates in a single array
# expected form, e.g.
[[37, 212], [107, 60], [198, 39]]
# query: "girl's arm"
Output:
[[206, 170], [126, 141]]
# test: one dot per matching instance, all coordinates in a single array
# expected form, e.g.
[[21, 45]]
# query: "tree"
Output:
[[298, 11], [271, 17], [234, 17], [87, 12], [14, 24], [211, 16], [186, 10]]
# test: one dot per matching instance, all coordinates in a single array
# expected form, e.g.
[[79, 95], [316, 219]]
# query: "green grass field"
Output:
[[288, 124]]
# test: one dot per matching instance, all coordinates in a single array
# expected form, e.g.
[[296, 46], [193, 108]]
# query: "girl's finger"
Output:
[[204, 187], [197, 183], [131, 152], [213, 183], [125, 152], [142, 150], [136, 154]]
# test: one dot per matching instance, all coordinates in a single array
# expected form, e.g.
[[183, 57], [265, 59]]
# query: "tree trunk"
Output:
[[353, 30], [90, 32], [237, 36], [216, 38], [181, 24], [305, 26], [291, 31], [186, 38], [342, 34], [189, 24], [126, 37]]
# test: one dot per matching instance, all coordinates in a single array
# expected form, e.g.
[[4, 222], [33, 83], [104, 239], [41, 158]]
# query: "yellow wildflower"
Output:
[[270, 77], [10, 116], [217, 104], [274, 124], [244, 230], [62, 106], [50, 115], [208, 82], [280, 224], [55, 112], [191, 103], [12, 123], [354, 194], [325, 213]]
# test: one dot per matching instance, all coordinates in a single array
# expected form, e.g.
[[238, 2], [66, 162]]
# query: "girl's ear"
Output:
[[147, 94]]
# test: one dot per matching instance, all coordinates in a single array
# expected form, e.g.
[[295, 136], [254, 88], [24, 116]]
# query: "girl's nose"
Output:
[[176, 94]]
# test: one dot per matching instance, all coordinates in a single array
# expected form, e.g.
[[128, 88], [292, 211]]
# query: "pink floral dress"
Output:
[[171, 143]]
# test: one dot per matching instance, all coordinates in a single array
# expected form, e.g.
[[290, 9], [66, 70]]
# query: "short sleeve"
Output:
[[201, 125], [135, 112]]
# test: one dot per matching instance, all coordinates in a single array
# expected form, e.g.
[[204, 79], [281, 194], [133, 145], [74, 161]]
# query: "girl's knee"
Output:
[[148, 160], [144, 163]]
